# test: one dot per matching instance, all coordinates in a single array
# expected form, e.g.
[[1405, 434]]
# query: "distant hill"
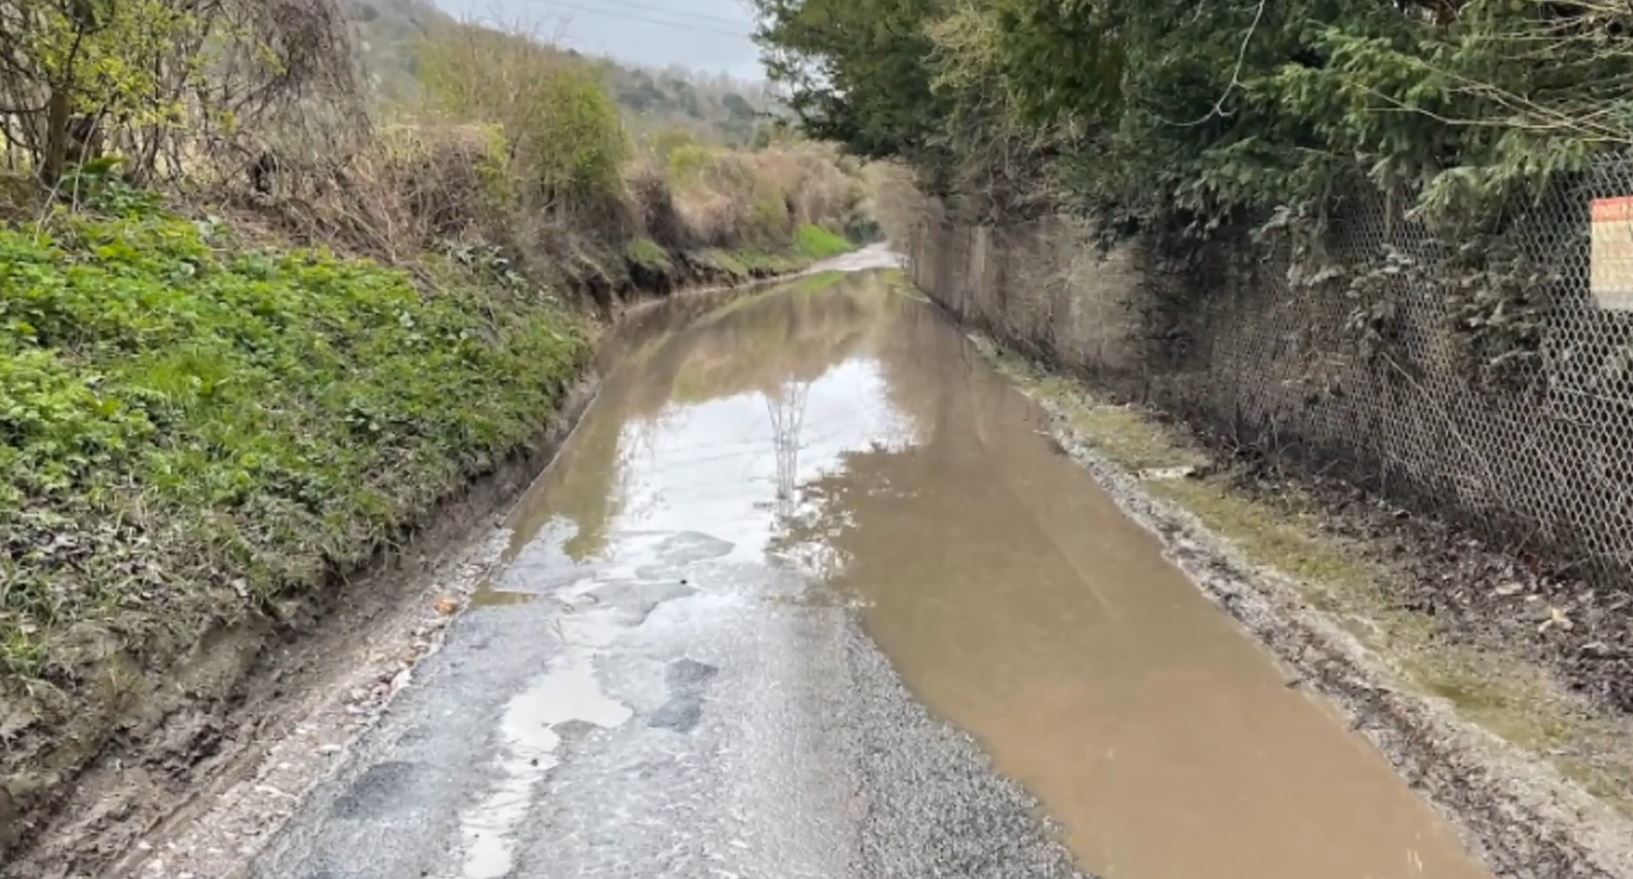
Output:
[[388, 34], [714, 109], [711, 107]]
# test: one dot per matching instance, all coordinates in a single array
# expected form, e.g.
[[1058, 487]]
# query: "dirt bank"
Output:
[[329, 664], [1535, 775]]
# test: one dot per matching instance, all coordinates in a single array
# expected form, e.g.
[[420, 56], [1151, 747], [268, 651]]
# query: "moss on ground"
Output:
[[1284, 537], [811, 244], [1506, 694], [649, 255], [744, 265], [814, 242], [194, 432], [728, 262]]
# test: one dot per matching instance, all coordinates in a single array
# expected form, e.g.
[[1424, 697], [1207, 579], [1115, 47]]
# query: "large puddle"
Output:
[[845, 429]]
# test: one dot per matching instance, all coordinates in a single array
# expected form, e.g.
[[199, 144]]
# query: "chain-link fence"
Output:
[[1488, 380]]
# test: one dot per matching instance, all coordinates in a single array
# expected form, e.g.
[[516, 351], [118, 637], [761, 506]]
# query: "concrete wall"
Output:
[[1233, 344], [1043, 286]]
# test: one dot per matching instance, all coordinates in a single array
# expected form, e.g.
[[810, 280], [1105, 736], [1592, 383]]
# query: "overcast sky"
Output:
[[705, 35]]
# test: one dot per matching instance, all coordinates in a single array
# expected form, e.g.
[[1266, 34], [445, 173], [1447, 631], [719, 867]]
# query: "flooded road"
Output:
[[810, 593]]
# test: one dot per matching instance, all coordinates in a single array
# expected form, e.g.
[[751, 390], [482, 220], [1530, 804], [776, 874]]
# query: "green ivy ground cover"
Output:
[[191, 431]]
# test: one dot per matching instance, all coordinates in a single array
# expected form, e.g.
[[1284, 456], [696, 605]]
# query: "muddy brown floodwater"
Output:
[[846, 430]]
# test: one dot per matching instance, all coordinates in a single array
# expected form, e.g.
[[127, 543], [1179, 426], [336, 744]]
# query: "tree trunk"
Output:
[[57, 117]]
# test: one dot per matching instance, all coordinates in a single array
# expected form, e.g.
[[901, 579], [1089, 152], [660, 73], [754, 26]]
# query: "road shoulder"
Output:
[[1537, 777]]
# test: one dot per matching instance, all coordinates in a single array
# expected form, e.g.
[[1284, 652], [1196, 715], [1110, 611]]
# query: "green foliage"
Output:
[[747, 264], [649, 254], [92, 58], [566, 135], [192, 430], [585, 147], [858, 71], [689, 165], [818, 243], [731, 263], [1181, 116], [141, 78]]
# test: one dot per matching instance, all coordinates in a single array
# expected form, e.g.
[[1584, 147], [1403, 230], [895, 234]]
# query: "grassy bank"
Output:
[[199, 432], [252, 418], [196, 432]]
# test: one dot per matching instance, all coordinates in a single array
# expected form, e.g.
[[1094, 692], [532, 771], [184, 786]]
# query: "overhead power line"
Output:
[[644, 19], [679, 13]]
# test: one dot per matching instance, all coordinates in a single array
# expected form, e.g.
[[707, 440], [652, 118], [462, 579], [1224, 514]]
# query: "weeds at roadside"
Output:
[[195, 431]]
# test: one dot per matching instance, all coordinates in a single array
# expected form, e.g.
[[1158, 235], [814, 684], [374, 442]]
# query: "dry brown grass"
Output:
[[408, 189], [653, 208], [760, 198]]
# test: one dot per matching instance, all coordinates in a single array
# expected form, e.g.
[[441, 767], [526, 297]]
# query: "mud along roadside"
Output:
[[1532, 774]]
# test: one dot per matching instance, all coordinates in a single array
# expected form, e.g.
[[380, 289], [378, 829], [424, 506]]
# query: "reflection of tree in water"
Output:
[[776, 344], [787, 408], [864, 511]]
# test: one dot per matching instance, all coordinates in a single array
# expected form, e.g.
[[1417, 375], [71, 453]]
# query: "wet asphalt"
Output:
[[647, 688], [765, 736]]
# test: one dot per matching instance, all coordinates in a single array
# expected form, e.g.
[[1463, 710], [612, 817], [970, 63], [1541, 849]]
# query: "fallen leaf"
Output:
[[1556, 617], [447, 606]]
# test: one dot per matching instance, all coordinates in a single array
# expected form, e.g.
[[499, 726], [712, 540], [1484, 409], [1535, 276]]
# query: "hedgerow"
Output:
[[1174, 115]]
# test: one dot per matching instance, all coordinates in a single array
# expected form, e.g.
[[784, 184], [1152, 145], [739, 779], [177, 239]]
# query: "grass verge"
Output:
[[746, 264]]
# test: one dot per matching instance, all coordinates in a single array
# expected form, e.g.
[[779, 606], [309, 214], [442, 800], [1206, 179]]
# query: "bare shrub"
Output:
[[564, 132], [409, 189], [173, 86], [820, 191], [728, 198], [653, 203]]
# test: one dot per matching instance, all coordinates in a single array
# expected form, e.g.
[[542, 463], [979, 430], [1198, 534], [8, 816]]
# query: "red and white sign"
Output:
[[1611, 260]]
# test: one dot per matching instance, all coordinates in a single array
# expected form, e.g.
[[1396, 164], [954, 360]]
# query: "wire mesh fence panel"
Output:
[[1486, 381]]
